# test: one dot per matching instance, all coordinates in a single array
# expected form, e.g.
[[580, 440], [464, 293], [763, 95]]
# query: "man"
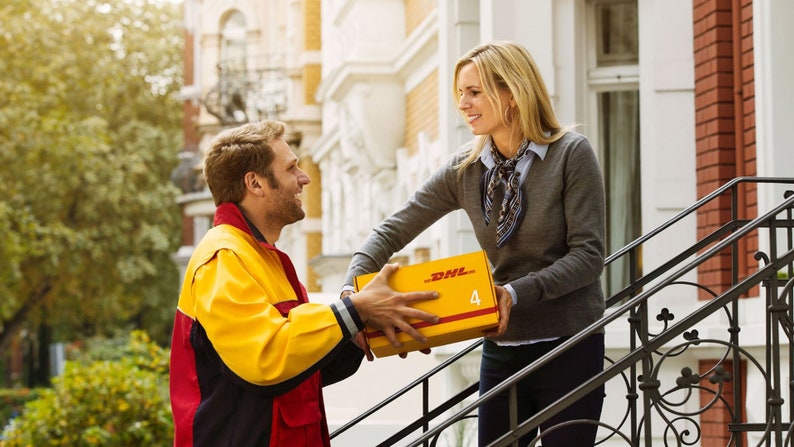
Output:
[[249, 354]]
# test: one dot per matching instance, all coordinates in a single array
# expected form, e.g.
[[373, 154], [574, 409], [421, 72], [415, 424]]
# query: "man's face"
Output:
[[284, 204]]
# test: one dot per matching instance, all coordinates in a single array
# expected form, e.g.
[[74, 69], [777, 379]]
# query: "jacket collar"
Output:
[[230, 214]]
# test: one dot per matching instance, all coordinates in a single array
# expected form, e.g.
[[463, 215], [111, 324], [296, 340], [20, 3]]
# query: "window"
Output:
[[613, 83], [616, 33], [228, 100], [233, 38]]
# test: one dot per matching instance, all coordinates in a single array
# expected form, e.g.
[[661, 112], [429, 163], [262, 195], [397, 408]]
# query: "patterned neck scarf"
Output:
[[512, 211]]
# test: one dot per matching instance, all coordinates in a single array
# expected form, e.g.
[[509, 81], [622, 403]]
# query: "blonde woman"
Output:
[[534, 193]]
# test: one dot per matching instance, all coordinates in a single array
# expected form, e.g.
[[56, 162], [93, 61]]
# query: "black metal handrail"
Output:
[[631, 248], [424, 381], [633, 301]]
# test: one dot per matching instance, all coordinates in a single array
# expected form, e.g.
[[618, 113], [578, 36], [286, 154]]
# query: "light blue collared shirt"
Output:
[[523, 165]]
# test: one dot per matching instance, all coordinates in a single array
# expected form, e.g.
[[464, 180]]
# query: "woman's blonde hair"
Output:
[[505, 65]]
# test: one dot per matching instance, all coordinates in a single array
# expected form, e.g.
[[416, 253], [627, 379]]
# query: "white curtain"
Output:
[[621, 132]]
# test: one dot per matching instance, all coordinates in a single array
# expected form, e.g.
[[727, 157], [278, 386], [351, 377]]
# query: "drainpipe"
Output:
[[741, 202], [738, 123]]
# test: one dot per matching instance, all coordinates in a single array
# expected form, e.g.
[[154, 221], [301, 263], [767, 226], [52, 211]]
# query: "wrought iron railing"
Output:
[[428, 414], [660, 409], [249, 89]]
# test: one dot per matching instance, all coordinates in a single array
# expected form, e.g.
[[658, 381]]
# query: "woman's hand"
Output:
[[505, 303]]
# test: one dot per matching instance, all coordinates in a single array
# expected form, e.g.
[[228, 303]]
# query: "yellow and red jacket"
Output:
[[249, 353]]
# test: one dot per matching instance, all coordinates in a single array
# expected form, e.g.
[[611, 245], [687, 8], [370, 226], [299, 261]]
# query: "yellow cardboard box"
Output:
[[466, 305]]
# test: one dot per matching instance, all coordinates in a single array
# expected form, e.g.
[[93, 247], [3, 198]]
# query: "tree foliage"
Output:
[[89, 132], [121, 400]]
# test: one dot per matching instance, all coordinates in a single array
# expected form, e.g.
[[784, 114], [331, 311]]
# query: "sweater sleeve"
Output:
[[432, 201]]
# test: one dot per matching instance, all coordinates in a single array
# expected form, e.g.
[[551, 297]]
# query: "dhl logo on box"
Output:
[[466, 305]]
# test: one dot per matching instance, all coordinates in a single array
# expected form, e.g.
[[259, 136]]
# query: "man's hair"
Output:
[[237, 151]]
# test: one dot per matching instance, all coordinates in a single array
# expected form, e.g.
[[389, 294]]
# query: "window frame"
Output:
[[600, 80]]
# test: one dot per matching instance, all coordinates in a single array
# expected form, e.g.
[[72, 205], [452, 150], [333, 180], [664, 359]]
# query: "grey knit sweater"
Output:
[[556, 256]]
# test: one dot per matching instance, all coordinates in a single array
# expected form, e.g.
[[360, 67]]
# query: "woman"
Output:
[[534, 193]]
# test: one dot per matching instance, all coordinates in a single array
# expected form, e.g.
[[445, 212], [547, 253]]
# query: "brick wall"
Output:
[[415, 12], [312, 74], [421, 112], [190, 109], [312, 24], [725, 123], [714, 422], [190, 114], [312, 204], [312, 41], [312, 193]]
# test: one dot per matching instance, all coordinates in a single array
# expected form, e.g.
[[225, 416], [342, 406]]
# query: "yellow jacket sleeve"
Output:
[[233, 297]]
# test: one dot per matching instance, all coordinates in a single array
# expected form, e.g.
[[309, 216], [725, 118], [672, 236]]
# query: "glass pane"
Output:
[[234, 38], [617, 33], [620, 130]]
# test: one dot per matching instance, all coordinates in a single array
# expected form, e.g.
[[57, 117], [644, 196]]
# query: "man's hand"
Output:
[[387, 310], [361, 341], [505, 302]]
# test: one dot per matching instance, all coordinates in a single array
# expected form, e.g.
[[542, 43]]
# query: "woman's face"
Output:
[[482, 117]]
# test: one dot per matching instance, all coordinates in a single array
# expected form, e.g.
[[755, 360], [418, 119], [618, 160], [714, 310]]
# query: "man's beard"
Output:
[[288, 212]]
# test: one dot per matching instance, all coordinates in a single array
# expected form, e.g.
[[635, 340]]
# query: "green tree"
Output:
[[115, 400], [89, 132]]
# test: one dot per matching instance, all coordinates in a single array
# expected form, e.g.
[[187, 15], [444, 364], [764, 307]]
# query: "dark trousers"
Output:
[[540, 389]]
